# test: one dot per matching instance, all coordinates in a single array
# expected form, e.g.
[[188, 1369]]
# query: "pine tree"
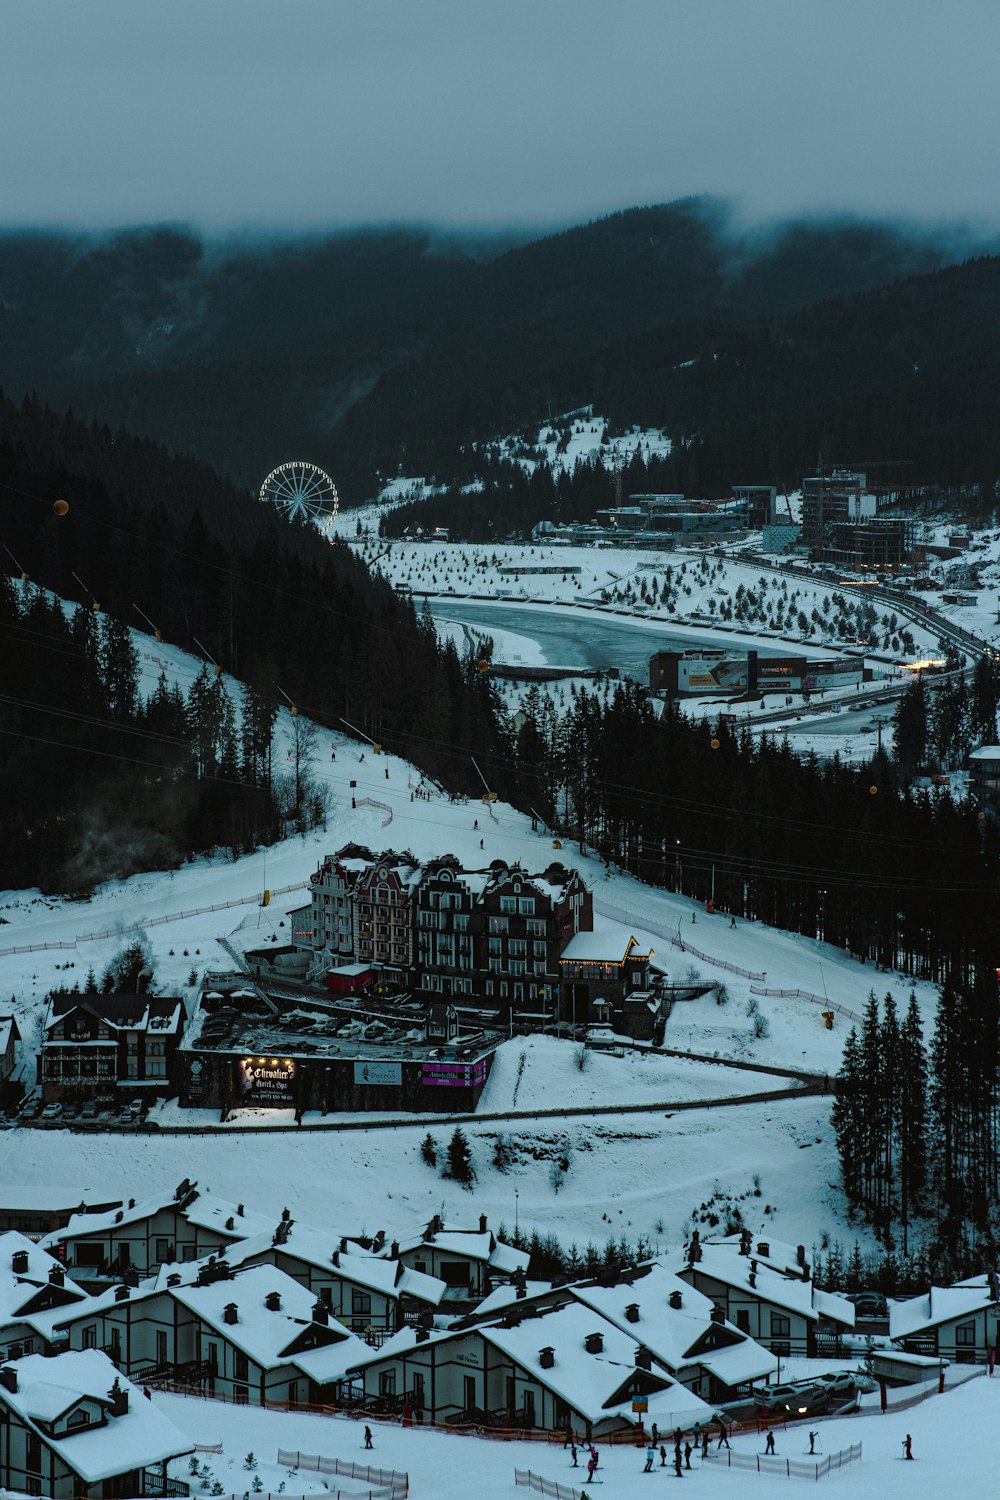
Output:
[[459, 1164], [845, 1118], [912, 1116]]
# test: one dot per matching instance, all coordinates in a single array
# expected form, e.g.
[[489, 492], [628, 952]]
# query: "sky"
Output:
[[287, 115]]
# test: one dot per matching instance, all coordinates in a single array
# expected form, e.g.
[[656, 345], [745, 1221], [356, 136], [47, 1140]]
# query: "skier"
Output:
[[650, 1455], [678, 1467], [769, 1445], [723, 1434], [687, 1455], [655, 1435], [704, 1443], [368, 1437], [663, 1457], [696, 1433], [812, 1441], [693, 917], [480, 843], [732, 920], [907, 1446], [591, 1466], [475, 822], [572, 1454]]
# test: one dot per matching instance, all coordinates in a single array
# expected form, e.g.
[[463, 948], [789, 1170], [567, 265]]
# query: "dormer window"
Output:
[[78, 1418]]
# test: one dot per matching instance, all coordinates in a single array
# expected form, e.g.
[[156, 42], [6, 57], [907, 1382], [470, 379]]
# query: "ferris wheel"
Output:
[[302, 492]]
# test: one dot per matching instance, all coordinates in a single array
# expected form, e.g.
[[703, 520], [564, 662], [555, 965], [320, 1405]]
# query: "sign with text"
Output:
[[266, 1080], [384, 1074], [453, 1074]]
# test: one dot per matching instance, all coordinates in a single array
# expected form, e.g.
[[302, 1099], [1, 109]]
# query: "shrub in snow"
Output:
[[250, 1462], [428, 1150]]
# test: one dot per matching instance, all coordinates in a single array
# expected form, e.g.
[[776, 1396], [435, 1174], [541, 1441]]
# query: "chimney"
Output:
[[121, 1293], [800, 1255], [286, 1213], [19, 1262], [173, 1279], [394, 1250], [8, 1379], [343, 1244], [718, 1315], [676, 1300], [379, 1240], [272, 1302], [240, 1210], [763, 1247], [482, 1223], [230, 1314], [594, 1343], [547, 1357], [335, 1257], [321, 1313], [230, 1222], [131, 1203], [421, 1335], [746, 1241], [119, 1216], [632, 1312], [520, 1291], [643, 1358], [57, 1276], [119, 1400]]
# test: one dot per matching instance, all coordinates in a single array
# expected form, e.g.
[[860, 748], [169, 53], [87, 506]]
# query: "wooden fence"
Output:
[[389, 1483], [789, 1468], [526, 1480]]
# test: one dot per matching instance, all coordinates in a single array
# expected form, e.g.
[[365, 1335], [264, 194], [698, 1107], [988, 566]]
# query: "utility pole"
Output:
[[880, 721]]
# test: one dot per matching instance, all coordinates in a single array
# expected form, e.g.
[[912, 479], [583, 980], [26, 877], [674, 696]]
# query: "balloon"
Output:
[[61, 508]]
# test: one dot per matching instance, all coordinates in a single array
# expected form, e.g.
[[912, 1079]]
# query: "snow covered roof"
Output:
[[264, 1334], [50, 1385], [85, 1225], [15, 1197], [236, 1254], [502, 1296], [473, 1244], [942, 1304], [671, 1333], [986, 752], [724, 1264], [331, 1362], [317, 1247], [606, 946], [778, 1254], [30, 1293], [210, 1212], [121, 1012], [589, 1383], [8, 1032]]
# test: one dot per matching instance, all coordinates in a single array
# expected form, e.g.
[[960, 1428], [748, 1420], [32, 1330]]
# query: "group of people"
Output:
[[683, 1449]]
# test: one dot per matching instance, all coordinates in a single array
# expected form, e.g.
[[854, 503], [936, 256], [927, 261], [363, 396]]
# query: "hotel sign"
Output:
[[384, 1074], [266, 1080]]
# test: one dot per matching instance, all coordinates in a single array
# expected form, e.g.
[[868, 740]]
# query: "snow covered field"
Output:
[[950, 1447]]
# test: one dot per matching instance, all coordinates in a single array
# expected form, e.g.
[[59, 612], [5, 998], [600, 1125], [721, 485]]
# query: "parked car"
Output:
[[89, 1110], [842, 1387], [801, 1398], [52, 1111], [127, 1115], [31, 1107], [869, 1304]]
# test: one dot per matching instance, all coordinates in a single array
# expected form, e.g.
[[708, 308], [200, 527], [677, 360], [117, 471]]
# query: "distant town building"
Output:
[[107, 1046]]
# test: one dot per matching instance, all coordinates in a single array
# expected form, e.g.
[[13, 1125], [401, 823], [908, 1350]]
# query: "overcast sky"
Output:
[[286, 114]]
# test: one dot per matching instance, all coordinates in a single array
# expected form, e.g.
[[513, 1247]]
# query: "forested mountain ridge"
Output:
[[376, 349], [278, 608]]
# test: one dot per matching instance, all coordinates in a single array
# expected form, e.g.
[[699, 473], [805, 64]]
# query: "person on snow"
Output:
[[368, 1437], [650, 1455], [663, 1457], [687, 1455], [572, 1454], [812, 1441], [591, 1466], [723, 1434], [678, 1464], [907, 1446], [769, 1445], [704, 1443]]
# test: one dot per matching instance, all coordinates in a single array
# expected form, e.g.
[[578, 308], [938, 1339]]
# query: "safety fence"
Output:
[[208, 1447], [840, 1010], [388, 1482], [526, 1480], [606, 908], [176, 916], [790, 1468], [676, 941], [383, 807]]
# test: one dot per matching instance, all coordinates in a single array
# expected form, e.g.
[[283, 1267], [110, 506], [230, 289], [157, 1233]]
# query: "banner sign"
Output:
[[454, 1075], [385, 1074], [266, 1080]]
